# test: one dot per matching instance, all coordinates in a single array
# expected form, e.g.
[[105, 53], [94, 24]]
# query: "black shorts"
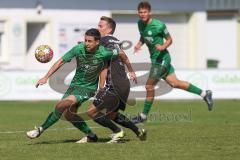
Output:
[[109, 100]]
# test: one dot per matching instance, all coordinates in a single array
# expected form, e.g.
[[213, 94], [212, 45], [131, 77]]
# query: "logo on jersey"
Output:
[[86, 66], [149, 40], [115, 52], [149, 33], [114, 41]]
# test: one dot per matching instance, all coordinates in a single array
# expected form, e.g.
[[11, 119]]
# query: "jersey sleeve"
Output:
[[117, 47], [112, 46], [111, 54], [142, 40], [67, 57], [140, 29], [164, 31], [111, 42]]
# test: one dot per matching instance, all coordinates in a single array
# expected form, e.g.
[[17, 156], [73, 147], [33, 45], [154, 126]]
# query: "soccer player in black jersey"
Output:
[[114, 94]]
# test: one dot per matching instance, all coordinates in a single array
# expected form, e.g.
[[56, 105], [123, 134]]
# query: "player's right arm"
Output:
[[138, 46], [121, 54], [126, 61], [118, 52], [52, 70], [66, 58]]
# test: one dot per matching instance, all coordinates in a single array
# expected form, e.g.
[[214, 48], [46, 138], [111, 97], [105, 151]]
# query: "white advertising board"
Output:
[[20, 85]]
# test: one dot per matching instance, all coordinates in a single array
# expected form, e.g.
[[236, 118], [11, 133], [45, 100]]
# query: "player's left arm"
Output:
[[126, 61], [165, 45], [168, 39]]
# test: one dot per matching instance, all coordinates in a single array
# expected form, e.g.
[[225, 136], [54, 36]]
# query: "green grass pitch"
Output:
[[181, 130]]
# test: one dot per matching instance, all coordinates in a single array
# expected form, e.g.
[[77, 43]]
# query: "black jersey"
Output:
[[117, 79]]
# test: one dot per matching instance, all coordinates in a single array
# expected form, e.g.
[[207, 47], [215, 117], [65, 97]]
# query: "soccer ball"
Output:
[[44, 53]]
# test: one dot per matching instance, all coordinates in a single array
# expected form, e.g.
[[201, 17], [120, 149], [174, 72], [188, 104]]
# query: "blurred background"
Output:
[[205, 49]]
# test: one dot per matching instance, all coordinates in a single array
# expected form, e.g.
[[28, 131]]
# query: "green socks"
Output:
[[80, 124], [191, 88], [194, 89], [147, 107], [52, 118], [56, 115]]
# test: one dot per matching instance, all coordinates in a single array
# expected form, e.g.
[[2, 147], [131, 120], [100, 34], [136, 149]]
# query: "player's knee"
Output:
[[174, 84], [67, 116], [149, 87], [63, 105], [59, 106], [91, 112]]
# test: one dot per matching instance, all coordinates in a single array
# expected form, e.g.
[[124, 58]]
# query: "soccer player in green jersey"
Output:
[[91, 59], [155, 35]]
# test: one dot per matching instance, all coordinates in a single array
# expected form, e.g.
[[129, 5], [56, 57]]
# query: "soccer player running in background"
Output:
[[113, 96], [91, 59], [157, 38]]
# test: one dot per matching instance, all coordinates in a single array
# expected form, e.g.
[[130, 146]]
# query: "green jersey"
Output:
[[89, 65], [152, 34]]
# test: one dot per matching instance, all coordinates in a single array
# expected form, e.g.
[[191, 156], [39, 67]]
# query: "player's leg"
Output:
[[124, 121], [105, 100], [102, 119], [52, 118], [150, 89], [157, 72], [71, 115], [61, 107], [121, 119], [184, 85]]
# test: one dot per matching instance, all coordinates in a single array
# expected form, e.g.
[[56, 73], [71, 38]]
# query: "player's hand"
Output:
[[137, 48], [133, 77], [160, 47], [41, 82]]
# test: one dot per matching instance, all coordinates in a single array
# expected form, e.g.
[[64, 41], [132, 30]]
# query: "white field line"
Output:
[[55, 129]]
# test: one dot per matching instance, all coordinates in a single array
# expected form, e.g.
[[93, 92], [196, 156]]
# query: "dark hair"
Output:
[[144, 5], [111, 23], [94, 33]]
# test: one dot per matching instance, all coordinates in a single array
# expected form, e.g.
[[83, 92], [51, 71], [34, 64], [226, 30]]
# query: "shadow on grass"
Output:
[[100, 140]]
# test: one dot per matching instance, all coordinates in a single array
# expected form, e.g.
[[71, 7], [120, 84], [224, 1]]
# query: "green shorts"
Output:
[[81, 94], [161, 68]]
